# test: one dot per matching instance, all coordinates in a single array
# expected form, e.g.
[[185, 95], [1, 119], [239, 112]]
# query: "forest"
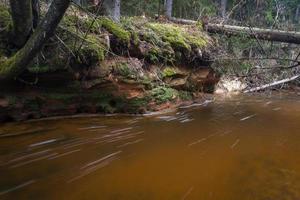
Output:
[[139, 56], [150, 99]]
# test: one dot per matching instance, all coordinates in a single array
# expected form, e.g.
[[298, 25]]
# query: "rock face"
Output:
[[133, 67]]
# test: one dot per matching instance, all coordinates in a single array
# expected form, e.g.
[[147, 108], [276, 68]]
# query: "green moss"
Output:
[[168, 72], [126, 71], [197, 41], [163, 41], [135, 38], [153, 55], [199, 25], [6, 71], [5, 28], [115, 29], [123, 69], [91, 52], [148, 82], [97, 46], [185, 95], [172, 34], [151, 37], [163, 94], [70, 22], [38, 69], [94, 25], [5, 21], [179, 37], [160, 55]]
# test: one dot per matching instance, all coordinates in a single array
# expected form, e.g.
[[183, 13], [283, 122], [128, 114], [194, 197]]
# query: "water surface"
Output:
[[234, 148]]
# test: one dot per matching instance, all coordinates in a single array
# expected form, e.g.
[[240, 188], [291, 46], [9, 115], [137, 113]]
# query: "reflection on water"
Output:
[[246, 147]]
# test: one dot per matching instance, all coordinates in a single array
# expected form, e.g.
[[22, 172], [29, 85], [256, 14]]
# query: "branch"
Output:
[[272, 84]]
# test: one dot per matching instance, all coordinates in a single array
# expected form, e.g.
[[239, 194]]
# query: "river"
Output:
[[233, 148]]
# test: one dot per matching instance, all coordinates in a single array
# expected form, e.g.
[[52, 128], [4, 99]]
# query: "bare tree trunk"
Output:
[[168, 8], [15, 65], [223, 8], [113, 9], [21, 11]]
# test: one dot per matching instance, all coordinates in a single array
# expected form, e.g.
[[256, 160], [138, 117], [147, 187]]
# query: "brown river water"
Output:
[[233, 148]]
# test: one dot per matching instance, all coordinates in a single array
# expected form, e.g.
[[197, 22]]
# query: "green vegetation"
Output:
[[103, 66], [168, 72], [5, 26], [115, 29], [92, 51], [178, 37], [124, 70], [185, 95], [164, 94], [5, 17]]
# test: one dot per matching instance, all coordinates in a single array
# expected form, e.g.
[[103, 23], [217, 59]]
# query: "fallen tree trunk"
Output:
[[258, 33], [272, 84]]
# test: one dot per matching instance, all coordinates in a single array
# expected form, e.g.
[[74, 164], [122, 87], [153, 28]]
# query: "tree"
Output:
[[25, 15], [223, 8], [22, 16], [297, 14], [113, 9], [168, 8], [16, 64]]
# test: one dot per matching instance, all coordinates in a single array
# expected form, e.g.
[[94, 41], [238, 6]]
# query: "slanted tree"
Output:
[[112, 8], [17, 64]]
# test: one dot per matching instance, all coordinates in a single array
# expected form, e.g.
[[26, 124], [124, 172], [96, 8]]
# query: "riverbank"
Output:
[[93, 65]]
